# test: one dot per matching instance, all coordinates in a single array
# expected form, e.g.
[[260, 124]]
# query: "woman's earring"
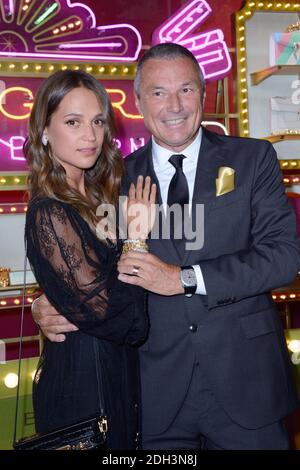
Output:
[[44, 140]]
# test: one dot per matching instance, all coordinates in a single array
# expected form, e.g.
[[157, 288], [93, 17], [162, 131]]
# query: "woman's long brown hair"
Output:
[[47, 176]]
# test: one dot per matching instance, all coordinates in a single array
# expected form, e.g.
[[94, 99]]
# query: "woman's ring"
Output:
[[135, 270]]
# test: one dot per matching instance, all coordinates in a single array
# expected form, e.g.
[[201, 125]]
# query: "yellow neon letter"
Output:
[[26, 105], [119, 104]]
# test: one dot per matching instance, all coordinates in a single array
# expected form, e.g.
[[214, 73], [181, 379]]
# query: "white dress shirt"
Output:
[[165, 171]]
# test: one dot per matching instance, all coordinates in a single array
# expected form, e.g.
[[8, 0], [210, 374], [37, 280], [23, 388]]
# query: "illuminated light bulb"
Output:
[[125, 69], [252, 4], [64, 67], [283, 297], [38, 67], [245, 121], [242, 28], [101, 69], [25, 67], [246, 132], [3, 180], [248, 13], [76, 67], [260, 5], [11, 66], [1, 210], [3, 302], [294, 163], [113, 69], [17, 301], [25, 7], [243, 59], [51, 67], [27, 1], [286, 180], [71, 25], [78, 23], [244, 100], [295, 180], [55, 31], [241, 17], [11, 380], [17, 180], [243, 69], [63, 28], [242, 38], [274, 297], [284, 163], [287, 5], [294, 345], [269, 5], [292, 296], [13, 209], [278, 5], [25, 209], [29, 300], [243, 80], [244, 90], [295, 358], [89, 69], [242, 49]]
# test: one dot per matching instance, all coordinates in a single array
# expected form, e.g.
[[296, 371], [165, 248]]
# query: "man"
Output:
[[215, 369]]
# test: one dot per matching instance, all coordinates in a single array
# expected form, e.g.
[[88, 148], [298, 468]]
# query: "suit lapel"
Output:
[[211, 156]]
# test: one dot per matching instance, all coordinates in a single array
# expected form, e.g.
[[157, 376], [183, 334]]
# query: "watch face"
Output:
[[188, 277]]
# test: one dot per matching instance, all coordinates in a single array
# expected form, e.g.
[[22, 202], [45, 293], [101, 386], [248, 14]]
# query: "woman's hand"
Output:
[[140, 208]]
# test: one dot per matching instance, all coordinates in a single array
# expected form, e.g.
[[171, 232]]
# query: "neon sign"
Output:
[[29, 97], [15, 106], [37, 29], [209, 48]]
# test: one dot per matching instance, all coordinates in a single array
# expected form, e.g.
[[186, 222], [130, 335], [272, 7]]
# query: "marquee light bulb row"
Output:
[[44, 68], [9, 302], [241, 17]]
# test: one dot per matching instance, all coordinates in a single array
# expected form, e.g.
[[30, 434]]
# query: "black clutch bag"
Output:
[[84, 435]]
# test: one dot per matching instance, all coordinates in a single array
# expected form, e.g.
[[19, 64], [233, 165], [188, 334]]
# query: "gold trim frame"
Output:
[[240, 20]]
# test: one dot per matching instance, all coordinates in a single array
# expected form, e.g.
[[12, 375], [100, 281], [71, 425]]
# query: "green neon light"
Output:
[[46, 13]]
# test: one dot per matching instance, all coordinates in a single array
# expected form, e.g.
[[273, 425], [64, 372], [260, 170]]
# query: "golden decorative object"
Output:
[[4, 277], [293, 27]]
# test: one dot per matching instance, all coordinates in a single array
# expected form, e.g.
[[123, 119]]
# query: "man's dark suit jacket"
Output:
[[250, 247]]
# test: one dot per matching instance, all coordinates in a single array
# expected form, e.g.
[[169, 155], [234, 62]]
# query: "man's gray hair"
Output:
[[168, 51]]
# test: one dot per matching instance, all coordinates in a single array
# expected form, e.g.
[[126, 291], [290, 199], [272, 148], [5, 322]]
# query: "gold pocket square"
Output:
[[225, 180]]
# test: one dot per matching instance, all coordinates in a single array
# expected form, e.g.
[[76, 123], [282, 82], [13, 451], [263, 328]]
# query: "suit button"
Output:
[[193, 328]]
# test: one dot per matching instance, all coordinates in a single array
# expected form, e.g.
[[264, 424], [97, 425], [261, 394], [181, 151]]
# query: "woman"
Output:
[[74, 168]]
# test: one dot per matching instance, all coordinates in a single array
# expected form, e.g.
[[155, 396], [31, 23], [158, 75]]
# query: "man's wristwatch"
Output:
[[189, 280]]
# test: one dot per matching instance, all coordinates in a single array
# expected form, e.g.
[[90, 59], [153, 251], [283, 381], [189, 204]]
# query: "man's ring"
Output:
[[135, 270]]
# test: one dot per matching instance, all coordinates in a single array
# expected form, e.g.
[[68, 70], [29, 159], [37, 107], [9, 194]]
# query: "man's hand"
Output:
[[52, 324], [151, 273]]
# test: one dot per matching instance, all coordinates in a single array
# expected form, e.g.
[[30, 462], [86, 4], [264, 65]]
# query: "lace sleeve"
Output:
[[78, 274]]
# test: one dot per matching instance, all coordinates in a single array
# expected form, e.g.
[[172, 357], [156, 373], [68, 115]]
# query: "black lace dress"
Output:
[[77, 272]]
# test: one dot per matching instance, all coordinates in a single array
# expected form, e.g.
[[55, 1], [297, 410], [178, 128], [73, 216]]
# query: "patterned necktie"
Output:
[[178, 188]]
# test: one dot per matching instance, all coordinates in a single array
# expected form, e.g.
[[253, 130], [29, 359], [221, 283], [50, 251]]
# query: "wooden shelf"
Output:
[[29, 287], [274, 138], [261, 75]]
